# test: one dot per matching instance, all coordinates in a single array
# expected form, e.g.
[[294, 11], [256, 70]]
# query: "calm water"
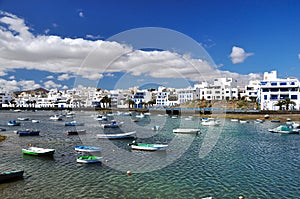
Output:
[[223, 162]]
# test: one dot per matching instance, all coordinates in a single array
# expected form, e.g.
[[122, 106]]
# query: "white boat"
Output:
[[210, 122], [186, 131], [244, 121], [234, 120], [155, 128], [35, 121], [266, 116], [147, 113], [87, 159], [38, 151], [128, 135], [113, 124], [285, 129], [56, 117], [87, 149], [101, 118], [23, 118], [148, 147], [74, 123], [259, 121], [140, 115]]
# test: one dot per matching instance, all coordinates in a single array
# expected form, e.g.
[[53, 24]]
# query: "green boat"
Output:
[[38, 151], [89, 159]]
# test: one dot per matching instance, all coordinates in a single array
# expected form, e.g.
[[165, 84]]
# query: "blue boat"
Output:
[[13, 123], [87, 149], [28, 132], [73, 123], [11, 175]]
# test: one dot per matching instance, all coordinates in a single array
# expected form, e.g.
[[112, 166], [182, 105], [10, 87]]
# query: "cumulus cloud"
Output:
[[64, 77], [298, 56], [50, 77], [51, 84], [20, 48], [13, 85], [12, 77], [238, 55]]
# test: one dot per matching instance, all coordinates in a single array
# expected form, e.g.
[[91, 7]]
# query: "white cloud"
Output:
[[238, 55], [13, 85], [65, 87], [51, 84], [64, 77], [50, 77], [2, 73], [93, 59], [12, 77], [89, 36], [298, 56]]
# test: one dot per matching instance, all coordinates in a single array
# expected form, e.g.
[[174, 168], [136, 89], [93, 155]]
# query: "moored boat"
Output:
[[148, 147], [13, 123], [35, 121], [284, 129], [38, 151], [113, 124], [28, 132], [83, 148], [56, 117], [74, 123], [210, 122], [2, 129], [87, 159], [11, 175], [128, 135], [155, 128], [23, 118], [75, 132], [186, 131]]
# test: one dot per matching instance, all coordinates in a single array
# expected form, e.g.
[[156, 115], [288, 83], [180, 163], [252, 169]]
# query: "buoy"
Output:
[[129, 173], [241, 197]]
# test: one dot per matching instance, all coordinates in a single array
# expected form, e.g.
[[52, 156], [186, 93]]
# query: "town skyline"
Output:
[[180, 45]]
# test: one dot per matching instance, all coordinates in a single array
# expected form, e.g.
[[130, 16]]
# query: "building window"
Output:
[[294, 97], [283, 83], [263, 83], [274, 97], [292, 83], [273, 83], [265, 97]]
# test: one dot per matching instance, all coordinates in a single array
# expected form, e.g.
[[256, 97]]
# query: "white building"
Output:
[[253, 90], [274, 89], [5, 98], [166, 97], [140, 97]]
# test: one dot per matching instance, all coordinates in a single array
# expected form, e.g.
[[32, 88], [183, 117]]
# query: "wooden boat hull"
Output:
[[11, 176]]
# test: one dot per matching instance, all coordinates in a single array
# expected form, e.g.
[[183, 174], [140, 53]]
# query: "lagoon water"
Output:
[[222, 162]]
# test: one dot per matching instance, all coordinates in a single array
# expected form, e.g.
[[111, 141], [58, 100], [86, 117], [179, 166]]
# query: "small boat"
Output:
[[148, 147], [38, 151], [18, 110], [267, 116], [259, 121], [155, 128], [128, 135], [13, 123], [11, 175], [56, 117], [285, 129], [187, 131], [244, 121], [74, 123], [275, 121], [76, 132], [113, 124], [87, 149], [87, 159], [234, 120], [101, 118], [140, 115], [147, 113], [27, 132], [210, 122], [35, 121], [2, 129], [23, 118]]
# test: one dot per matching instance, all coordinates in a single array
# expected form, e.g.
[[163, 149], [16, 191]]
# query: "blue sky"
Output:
[[52, 43]]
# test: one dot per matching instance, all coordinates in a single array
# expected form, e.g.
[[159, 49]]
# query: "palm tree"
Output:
[[130, 103], [287, 102], [279, 103]]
